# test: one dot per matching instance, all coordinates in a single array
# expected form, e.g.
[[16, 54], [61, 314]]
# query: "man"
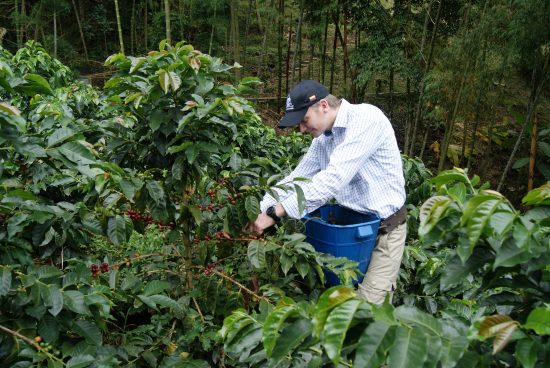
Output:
[[354, 159]]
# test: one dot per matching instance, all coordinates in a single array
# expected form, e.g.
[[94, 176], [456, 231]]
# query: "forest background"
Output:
[[464, 83]]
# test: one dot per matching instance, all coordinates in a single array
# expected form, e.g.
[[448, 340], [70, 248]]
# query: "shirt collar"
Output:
[[341, 121]]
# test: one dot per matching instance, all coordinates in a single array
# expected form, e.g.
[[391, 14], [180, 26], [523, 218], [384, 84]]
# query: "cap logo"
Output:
[[289, 105], [312, 98]]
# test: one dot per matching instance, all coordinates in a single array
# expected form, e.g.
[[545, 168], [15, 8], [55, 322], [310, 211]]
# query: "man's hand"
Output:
[[261, 223]]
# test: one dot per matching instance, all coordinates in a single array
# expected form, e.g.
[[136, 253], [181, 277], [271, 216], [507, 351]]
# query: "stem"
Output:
[[30, 342], [241, 286]]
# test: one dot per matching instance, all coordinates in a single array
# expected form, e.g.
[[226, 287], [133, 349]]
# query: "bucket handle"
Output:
[[364, 232]]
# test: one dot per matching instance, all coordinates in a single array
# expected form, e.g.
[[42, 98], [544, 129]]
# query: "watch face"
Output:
[[271, 213]]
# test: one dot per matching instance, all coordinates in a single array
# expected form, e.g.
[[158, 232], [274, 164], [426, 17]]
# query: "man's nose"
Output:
[[302, 127]]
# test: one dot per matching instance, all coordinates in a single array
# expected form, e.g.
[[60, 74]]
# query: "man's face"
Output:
[[315, 121]]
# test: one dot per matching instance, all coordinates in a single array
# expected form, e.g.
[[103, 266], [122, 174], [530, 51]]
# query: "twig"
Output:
[[30, 342], [198, 309], [259, 297]]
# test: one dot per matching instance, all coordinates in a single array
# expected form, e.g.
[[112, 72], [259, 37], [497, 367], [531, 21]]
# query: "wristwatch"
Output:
[[272, 213]]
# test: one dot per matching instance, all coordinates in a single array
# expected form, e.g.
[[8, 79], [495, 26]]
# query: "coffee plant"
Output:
[[122, 212]]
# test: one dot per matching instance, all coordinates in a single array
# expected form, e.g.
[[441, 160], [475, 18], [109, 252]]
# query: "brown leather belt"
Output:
[[390, 223]]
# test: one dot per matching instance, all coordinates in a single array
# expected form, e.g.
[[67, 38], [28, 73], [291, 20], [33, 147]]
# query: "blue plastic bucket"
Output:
[[343, 233]]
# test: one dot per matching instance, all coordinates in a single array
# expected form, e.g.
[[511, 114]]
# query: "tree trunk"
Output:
[[537, 82], [212, 32], [287, 66], [80, 30], [234, 9], [532, 155], [296, 58], [391, 94], [418, 114], [324, 50], [54, 34], [119, 27], [145, 25], [133, 28], [334, 44], [18, 34], [167, 16], [246, 29], [451, 121], [280, 22], [266, 30], [345, 46]]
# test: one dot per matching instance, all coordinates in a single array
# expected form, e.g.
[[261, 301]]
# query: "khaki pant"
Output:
[[385, 261]]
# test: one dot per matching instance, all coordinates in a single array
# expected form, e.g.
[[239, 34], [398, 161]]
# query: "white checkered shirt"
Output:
[[359, 165]]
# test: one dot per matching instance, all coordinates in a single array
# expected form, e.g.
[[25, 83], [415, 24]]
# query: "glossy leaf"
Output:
[[526, 352], [80, 361], [330, 299], [256, 253], [373, 345], [252, 206], [336, 327], [273, 325], [410, 348], [539, 320], [116, 229], [431, 212], [5, 280], [414, 316], [89, 331], [291, 336]]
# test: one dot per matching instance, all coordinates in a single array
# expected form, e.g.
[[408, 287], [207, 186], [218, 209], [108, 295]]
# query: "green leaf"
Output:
[[48, 328], [479, 217], [156, 191], [5, 280], [256, 254], [291, 336], [60, 135], [336, 327], [538, 196], [116, 230], [167, 302], [77, 153], [36, 84], [450, 176], [47, 272], [453, 346], [410, 348], [155, 287], [80, 361], [301, 199], [252, 206], [273, 324], [539, 320], [456, 271], [330, 299], [431, 212], [74, 300], [56, 300], [520, 163], [373, 345], [89, 331], [510, 255], [526, 352], [414, 316], [136, 63], [230, 321]]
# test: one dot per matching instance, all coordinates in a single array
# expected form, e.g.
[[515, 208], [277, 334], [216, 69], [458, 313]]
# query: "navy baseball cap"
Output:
[[300, 98]]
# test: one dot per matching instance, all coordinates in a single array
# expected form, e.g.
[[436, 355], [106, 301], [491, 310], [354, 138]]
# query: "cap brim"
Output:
[[292, 118]]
